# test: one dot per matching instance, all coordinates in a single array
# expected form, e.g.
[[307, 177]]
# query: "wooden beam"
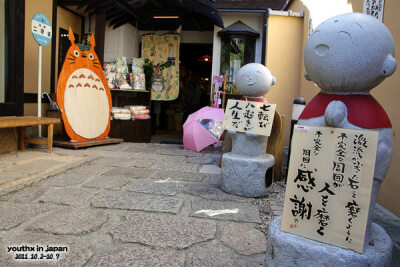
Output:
[[129, 9], [122, 22], [118, 19], [100, 31]]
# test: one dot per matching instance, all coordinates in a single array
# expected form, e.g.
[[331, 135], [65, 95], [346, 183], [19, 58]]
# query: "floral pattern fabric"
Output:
[[160, 49]]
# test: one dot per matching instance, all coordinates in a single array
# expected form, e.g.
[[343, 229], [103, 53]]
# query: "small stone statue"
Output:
[[244, 169], [347, 56]]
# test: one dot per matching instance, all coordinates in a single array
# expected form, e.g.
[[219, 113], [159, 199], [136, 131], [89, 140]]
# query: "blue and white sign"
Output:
[[41, 29]]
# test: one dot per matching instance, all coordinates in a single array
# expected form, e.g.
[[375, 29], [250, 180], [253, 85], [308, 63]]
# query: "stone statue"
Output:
[[347, 56], [244, 169]]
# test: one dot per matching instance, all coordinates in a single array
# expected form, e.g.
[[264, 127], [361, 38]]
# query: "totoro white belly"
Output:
[[86, 104]]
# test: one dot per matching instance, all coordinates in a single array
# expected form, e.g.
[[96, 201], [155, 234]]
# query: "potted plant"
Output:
[[150, 68]]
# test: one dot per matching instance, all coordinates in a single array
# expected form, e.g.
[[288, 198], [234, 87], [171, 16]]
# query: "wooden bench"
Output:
[[22, 122]]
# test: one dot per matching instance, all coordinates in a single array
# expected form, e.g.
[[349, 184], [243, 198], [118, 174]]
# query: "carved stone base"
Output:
[[284, 249], [247, 176]]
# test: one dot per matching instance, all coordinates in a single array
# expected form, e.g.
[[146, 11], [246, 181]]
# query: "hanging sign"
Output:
[[249, 116], [329, 185], [41, 29], [374, 8]]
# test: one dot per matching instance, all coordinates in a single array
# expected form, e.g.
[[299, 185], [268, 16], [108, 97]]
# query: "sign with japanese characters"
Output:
[[249, 116], [329, 185], [41, 29], [374, 8]]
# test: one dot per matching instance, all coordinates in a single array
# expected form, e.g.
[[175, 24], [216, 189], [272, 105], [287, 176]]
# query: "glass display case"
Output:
[[237, 49]]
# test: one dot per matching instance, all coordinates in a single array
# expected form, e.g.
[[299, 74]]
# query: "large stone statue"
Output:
[[346, 56], [244, 169]]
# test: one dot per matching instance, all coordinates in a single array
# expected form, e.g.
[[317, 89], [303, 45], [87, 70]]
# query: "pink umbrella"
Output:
[[195, 136]]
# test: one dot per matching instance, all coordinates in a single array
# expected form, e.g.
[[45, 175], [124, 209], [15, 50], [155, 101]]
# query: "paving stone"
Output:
[[175, 166], [143, 256], [243, 239], [200, 160], [91, 169], [13, 214], [68, 196], [70, 221], [112, 162], [215, 254], [66, 179], [212, 192], [78, 253], [137, 147], [213, 179], [136, 201], [142, 163], [225, 210], [109, 147], [176, 151], [107, 182], [27, 194], [158, 187], [178, 176], [6, 177], [129, 172], [162, 230], [35, 166], [213, 169]]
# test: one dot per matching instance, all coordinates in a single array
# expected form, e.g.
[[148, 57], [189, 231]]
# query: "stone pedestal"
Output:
[[284, 249], [246, 176]]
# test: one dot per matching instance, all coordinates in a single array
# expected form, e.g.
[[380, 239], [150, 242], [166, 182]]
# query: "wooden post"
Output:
[[212, 95], [50, 137], [22, 135]]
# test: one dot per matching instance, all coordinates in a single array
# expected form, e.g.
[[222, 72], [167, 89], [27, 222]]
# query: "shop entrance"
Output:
[[194, 93]]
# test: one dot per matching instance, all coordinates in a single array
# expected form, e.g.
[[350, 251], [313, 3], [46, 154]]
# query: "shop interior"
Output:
[[194, 93]]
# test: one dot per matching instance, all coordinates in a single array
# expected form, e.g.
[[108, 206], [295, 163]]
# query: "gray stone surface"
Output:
[[245, 176], [6, 176], [176, 151], [243, 239], [176, 166], [213, 179], [201, 160], [142, 163], [157, 187], [391, 223], [178, 176], [211, 169], [143, 256], [136, 201], [163, 230], [225, 210], [27, 194], [107, 182], [214, 254], [66, 179], [13, 214], [112, 162], [131, 172], [91, 169], [68, 196], [78, 253], [211, 192], [70, 221], [35, 166], [284, 249]]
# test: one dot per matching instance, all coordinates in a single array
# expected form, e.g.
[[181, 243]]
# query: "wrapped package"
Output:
[[141, 117], [111, 75], [122, 116]]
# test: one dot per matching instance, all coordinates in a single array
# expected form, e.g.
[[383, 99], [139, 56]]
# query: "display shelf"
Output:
[[131, 130]]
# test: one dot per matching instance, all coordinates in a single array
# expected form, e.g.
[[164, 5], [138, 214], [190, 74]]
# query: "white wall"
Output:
[[253, 20], [123, 41]]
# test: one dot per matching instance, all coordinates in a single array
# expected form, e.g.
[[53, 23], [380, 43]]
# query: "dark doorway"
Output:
[[194, 90], [63, 46]]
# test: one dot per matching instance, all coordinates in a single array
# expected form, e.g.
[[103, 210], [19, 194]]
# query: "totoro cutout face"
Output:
[[83, 94]]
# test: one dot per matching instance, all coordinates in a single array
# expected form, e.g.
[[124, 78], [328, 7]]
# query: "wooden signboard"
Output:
[[83, 94], [329, 185], [249, 116]]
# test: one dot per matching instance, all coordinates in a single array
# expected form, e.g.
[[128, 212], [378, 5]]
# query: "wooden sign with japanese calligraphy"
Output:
[[329, 185], [374, 8], [249, 116]]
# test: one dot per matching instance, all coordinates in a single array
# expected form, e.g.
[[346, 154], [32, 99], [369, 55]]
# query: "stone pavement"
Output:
[[128, 205]]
